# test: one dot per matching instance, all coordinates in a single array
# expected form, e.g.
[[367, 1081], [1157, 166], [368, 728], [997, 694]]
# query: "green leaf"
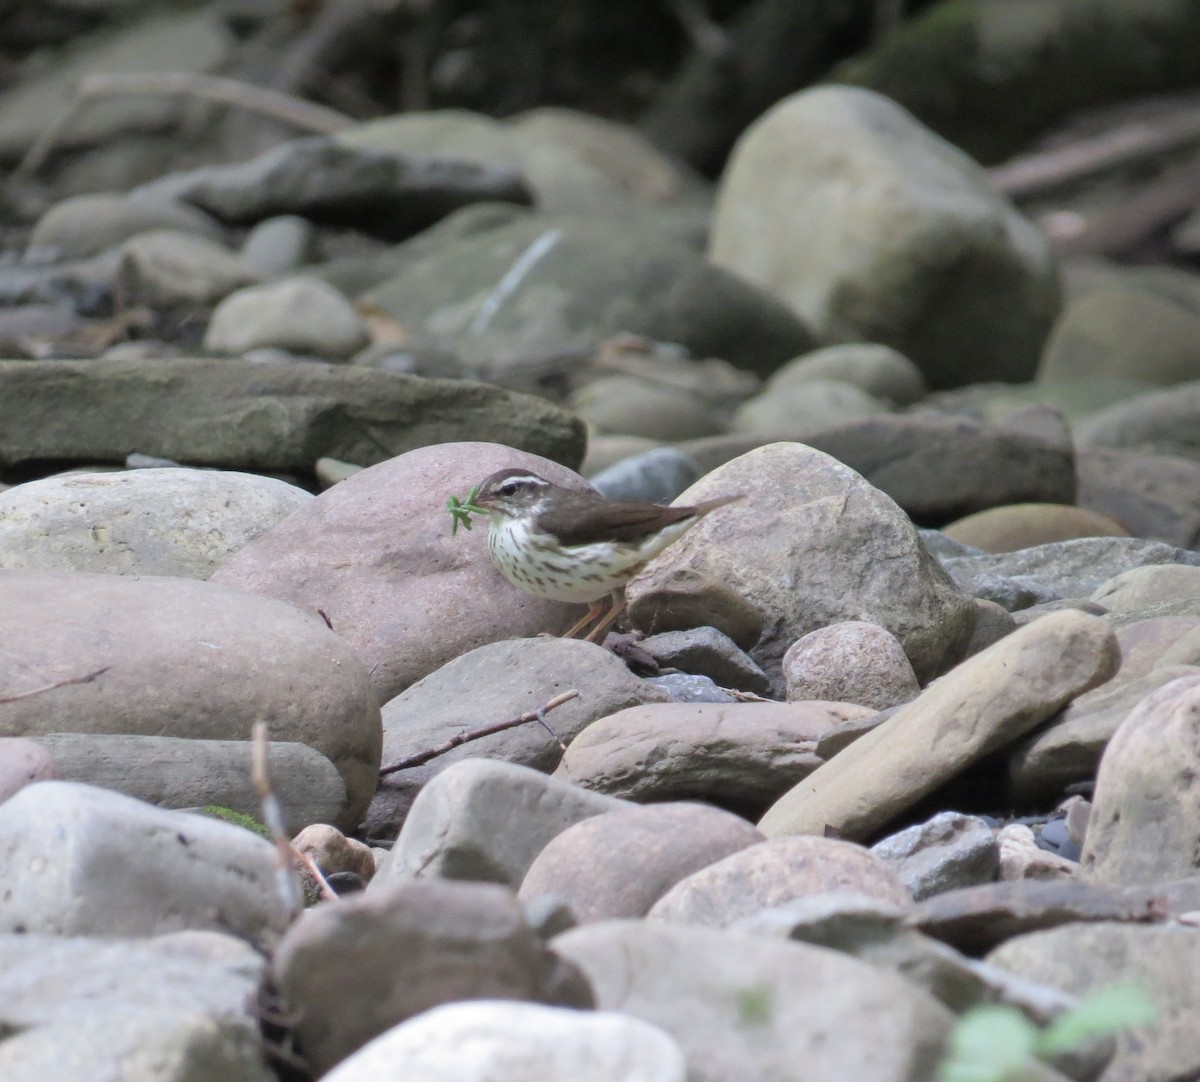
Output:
[[1117, 1007], [462, 510], [989, 1044]]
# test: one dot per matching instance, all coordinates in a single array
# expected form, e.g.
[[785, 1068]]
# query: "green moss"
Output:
[[237, 818]]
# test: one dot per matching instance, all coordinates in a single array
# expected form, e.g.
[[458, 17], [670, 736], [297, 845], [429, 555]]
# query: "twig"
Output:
[[538, 715], [289, 857], [512, 279], [50, 687], [293, 110], [1033, 174]]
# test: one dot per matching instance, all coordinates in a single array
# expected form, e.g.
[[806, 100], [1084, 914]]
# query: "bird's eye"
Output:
[[509, 488]]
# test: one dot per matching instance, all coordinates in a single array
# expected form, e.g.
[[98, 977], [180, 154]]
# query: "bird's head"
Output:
[[512, 493]]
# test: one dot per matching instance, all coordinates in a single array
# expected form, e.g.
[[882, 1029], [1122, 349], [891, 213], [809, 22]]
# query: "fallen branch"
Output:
[[289, 857], [538, 715], [1033, 174], [87, 679], [293, 110]]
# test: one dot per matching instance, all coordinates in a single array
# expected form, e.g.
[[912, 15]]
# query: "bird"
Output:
[[576, 546]]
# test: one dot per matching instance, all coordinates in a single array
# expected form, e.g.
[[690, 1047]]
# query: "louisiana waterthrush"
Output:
[[568, 545]]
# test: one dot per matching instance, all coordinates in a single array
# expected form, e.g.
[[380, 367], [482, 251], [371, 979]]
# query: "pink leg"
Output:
[[594, 610], [618, 607]]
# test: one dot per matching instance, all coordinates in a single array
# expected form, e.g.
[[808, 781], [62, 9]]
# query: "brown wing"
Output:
[[588, 519]]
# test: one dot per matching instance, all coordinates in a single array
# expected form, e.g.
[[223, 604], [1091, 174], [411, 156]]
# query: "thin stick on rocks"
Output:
[[538, 715], [289, 857], [87, 678], [303, 114]]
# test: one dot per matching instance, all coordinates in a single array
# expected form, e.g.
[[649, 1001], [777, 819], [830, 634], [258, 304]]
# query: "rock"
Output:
[[938, 468], [878, 370], [683, 687], [772, 872], [1123, 331], [181, 522], [796, 409], [336, 966], [78, 860], [737, 755], [85, 225], [376, 555], [1068, 568], [976, 919], [706, 652], [746, 1008], [1024, 525], [604, 451], [687, 599], [187, 774], [333, 852], [387, 195], [1154, 752], [481, 819], [329, 471], [656, 475], [1156, 422], [516, 1042], [949, 851], [991, 625], [574, 162], [873, 931], [491, 684], [304, 315], [173, 1007], [1087, 958], [1007, 690], [1155, 496], [1142, 586], [857, 156], [629, 406], [279, 245], [22, 762], [1067, 750], [805, 547], [165, 268], [850, 662], [584, 282], [251, 416], [161, 656], [618, 864], [1022, 858]]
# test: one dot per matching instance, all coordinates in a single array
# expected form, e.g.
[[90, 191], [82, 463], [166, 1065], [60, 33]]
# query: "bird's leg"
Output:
[[594, 610], [618, 607]]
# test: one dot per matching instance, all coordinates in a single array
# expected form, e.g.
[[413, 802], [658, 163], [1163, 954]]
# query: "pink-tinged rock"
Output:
[[618, 864], [774, 872], [22, 762], [374, 554]]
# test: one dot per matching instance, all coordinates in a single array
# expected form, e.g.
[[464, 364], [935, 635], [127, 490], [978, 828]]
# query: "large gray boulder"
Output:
[[874, 229]]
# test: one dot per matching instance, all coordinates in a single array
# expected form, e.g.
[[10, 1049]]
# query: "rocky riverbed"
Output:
[[912, 728]]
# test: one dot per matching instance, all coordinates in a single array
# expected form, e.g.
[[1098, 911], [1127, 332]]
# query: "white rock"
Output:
[[78, 860], [304, 315], [516, 1042]]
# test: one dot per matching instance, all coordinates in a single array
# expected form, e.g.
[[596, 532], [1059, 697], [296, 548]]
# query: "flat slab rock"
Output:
[[737, 755], [158, 656], [268, 417], [975, 919]]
